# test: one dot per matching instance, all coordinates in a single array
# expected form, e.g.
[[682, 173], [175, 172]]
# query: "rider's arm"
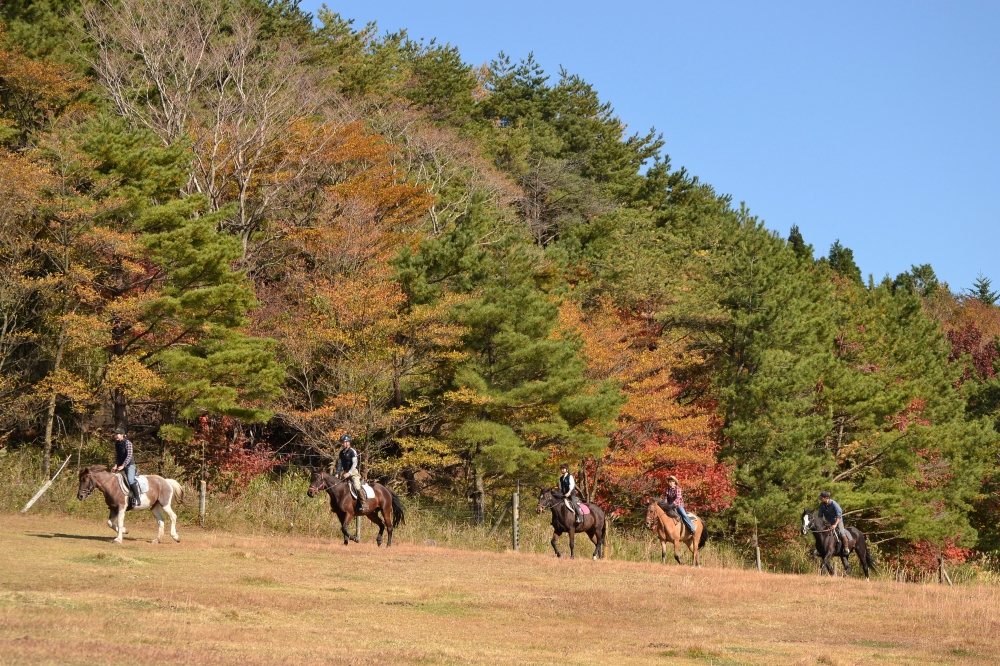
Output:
[[354, 463], [572, 485], [128, 455]]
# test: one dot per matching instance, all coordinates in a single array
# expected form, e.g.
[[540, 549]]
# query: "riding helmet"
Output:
[[824, 494], [345, 438]]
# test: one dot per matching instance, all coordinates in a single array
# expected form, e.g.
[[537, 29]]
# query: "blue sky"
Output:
[[875, 123]]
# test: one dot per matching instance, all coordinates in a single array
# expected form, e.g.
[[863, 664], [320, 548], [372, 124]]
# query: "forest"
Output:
[[242, 231]]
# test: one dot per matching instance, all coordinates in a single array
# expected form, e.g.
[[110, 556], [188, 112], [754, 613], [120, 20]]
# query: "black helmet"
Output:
[[345, 438], [825, 494], [564, 466], [120, 431]]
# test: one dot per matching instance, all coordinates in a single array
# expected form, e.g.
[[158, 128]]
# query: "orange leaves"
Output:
[[34, 92], [658, 434]]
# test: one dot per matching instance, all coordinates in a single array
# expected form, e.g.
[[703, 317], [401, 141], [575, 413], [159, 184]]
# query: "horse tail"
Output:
[[704, 534], [178, 490], [398, 515], [869, 560]]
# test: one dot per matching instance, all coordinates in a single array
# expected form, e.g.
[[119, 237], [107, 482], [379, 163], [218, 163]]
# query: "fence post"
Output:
[[515, 516], [357, 526], [203, 491], [756, 548]]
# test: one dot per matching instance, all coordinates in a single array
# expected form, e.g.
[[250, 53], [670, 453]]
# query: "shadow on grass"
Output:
[[80, 537]]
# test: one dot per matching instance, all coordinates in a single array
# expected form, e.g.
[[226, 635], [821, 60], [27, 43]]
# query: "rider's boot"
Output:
[[579, 516], [847, 543], [136, 495]]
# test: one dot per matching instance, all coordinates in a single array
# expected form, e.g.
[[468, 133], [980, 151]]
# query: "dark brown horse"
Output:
[[564, 520], [828, 544], [159, 496], [343, 504]]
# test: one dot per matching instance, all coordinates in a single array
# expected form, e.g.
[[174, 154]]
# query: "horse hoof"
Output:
[[175, 538]]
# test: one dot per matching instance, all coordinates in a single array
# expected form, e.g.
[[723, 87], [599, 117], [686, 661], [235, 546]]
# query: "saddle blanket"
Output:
[[369, 491], [584, 509], [142, 480]]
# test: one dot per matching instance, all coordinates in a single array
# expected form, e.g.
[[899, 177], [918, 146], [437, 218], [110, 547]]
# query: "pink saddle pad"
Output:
[[584, 509]]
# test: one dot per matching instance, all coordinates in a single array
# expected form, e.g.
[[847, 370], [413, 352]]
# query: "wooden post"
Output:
[[515, 517], [357, 525], [202, 492], [756, 547], [46, 485]]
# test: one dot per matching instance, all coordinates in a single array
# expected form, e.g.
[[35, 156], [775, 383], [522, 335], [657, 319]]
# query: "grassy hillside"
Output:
[[69, 596]]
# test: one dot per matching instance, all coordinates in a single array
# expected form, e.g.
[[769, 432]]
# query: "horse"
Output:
[[671, 528], [564, 520], [829, 544], [157, 499], [342, 504]]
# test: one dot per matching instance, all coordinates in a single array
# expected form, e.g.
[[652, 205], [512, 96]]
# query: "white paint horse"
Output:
[[157, 499]]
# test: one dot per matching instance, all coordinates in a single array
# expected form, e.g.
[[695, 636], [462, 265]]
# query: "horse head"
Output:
[[651, 515], [807, 522], [317, 483], [87, 484], [546, 499]]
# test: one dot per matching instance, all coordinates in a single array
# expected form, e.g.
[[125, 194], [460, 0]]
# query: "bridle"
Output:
[[315, 489], [809, 529], [84, 493]]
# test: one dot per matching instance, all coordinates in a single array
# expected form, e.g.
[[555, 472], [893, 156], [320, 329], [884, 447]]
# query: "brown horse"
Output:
[[161, 493], [342, 503], [564, 520], [669, 528]]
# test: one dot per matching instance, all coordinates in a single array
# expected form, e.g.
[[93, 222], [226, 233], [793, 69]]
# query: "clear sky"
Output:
[[877, 123]]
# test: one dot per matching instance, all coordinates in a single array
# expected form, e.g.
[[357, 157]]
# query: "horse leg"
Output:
[[862, 553], [555, 546], [694, 549], [572, 543], [121, 525], [111, 518], [677, 550], [663, 551], [173, 522], [847, 566], [373, 516], [595, 539], [159, 522], [825, 565]]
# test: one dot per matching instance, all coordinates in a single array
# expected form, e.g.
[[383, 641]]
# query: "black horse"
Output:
[[829, 544], [564, 520]]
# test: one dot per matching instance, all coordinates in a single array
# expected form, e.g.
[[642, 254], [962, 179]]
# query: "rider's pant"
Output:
[[129, 472], [355, 480], [841, 530], [685, 518]]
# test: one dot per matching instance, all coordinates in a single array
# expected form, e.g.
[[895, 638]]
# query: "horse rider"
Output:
[[675, 500], [347, 468], [125, 461], [833, 518], [567, 486]]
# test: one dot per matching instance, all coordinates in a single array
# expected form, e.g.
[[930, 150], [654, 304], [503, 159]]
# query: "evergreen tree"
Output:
[[920, 280], [519, 393], [981, 290], [841, 260], [798, 244]]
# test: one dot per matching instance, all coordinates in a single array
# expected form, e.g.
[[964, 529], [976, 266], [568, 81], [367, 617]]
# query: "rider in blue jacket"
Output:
[[833, 516]]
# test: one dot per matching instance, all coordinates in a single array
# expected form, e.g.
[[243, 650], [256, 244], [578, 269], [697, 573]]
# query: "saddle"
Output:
[[369, 491], [584, 509], [141, 480]]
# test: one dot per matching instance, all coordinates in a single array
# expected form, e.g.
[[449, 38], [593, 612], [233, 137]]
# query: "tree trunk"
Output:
[[50, 415], [479, 499]]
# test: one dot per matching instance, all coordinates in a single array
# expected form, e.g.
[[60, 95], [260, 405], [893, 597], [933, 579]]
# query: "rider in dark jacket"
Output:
[[833, 517], [348, 468], [567, 486], [125, 461]]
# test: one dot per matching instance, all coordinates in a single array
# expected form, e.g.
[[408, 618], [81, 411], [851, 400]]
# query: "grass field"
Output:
[[67, 595]]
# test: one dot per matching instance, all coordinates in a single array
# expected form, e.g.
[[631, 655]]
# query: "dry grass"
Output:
[[69, 596]]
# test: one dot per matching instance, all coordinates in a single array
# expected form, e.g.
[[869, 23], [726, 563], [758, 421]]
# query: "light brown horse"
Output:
[[342, 503], [161, 493], [668, 528]]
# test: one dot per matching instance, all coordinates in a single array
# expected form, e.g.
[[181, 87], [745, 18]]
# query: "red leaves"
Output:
[[969, 340]]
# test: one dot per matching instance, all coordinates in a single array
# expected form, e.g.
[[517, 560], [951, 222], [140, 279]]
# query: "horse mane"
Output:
[[97, 468]]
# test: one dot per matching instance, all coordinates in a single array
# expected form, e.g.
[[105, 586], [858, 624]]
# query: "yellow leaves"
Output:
[[466, 397], [85, 331], [67, 385], [130, 375], [35, 91]]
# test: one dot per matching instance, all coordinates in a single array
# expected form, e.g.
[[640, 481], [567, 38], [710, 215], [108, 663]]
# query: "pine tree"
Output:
[[920, 280], [981, 290], [798, 244], [841, 260]]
